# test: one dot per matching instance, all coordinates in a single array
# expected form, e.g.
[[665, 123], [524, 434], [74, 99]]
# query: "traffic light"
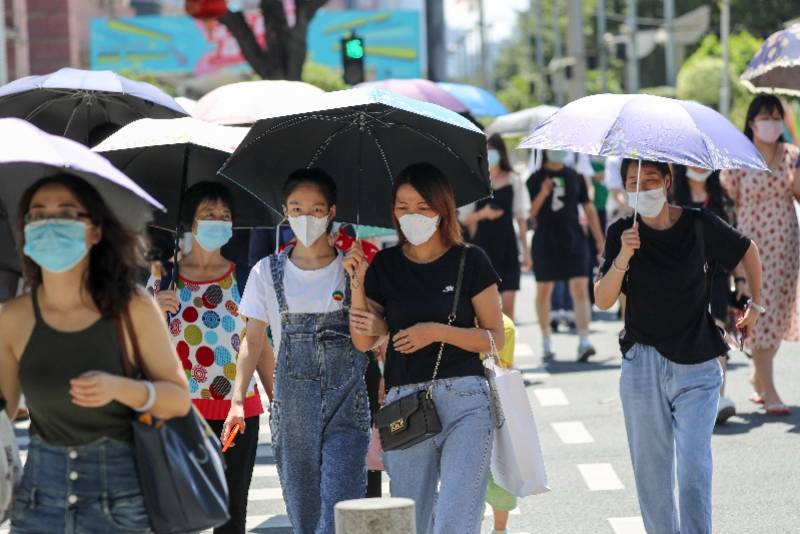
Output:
[[353, 59]]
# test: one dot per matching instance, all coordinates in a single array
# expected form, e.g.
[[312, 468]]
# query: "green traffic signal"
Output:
[[354, 48]]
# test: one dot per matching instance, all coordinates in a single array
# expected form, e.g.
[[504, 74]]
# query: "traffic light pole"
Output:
[[435, 30]]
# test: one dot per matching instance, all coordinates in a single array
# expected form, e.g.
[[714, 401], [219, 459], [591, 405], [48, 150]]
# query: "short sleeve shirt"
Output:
[[667, 284], [557, 223], [413, 293]]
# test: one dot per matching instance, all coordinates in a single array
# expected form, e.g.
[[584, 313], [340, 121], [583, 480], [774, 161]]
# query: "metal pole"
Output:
[[633, 59], [725, 31], [669, 45], [540, 66], [3, 45], [484, 54], [435, 28], [576, 49], [602, 50], [556, 74]]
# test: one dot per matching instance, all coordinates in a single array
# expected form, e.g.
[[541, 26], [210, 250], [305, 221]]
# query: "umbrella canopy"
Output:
[[419, 89], [776, 66], [166, 156], [35, 154], [521, 122], [647, 127], [479, 101], [84, 105], [244, 103], [363, 138], [188, 104]]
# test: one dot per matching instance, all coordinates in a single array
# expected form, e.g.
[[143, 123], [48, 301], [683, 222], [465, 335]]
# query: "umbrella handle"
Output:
[[638, 183]]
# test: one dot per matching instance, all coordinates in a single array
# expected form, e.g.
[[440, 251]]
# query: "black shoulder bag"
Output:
[[413, 419], [180, 465]]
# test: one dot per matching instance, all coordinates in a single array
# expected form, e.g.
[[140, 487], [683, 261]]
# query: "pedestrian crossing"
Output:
[[267, 511]]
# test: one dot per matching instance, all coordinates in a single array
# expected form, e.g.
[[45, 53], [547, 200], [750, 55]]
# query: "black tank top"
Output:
[[50, 360]]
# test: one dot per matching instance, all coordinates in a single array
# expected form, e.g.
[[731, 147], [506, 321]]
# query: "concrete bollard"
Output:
[[387, 515]]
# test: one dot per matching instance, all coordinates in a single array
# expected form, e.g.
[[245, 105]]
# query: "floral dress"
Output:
[[207, 332], [765, 213]]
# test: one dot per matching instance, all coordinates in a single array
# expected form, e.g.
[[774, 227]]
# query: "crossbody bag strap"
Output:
[[452, 317], [137, 353]]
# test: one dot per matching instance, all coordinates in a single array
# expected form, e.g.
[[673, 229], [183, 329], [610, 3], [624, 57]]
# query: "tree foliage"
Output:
[[323, 77], [284, 53]]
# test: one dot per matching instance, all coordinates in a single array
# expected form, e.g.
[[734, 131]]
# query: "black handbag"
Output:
[[179, 461], [413, 419]]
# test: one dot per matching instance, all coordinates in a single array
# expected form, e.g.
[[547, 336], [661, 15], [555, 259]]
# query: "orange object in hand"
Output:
[[229, 439]]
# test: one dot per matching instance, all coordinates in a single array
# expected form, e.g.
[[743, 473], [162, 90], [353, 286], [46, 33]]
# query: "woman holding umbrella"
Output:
[[414, 286], [61, 345], [207, 331], [670, 371], [765, 210]]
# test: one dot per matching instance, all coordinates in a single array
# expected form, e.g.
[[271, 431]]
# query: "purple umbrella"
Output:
[[35, 154], [419, 89], [650, 128]]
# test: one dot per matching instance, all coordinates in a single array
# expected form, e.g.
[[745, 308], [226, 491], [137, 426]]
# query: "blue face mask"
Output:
[[557, 156], [212, 235], [56, 245]]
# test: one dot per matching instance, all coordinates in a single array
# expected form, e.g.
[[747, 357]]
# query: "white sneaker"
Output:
[[725, 410]]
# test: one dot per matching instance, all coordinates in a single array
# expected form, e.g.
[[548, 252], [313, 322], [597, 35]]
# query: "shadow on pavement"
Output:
[[742, 423], [595, 364]]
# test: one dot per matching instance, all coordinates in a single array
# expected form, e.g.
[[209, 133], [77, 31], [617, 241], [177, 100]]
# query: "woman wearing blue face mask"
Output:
[[320, 417], [560, 250], [61, 344], [207, 331], [415, 286]]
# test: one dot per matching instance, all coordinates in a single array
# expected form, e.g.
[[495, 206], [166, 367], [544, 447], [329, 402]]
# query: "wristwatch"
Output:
[[760, 308]]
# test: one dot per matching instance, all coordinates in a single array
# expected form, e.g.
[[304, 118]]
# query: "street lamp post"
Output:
[[3, 45], [557, 72], [633, 59], [576, 50], [725, 31], [540, 66], [602, 51], [669, 45]]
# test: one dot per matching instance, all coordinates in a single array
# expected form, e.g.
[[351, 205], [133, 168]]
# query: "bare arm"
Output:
[[607, 289], [9, 367], [254, 344], [266, 368], [594, 224], [522, 226]]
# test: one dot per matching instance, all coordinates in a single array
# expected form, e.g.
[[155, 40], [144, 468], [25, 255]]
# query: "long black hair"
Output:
[[762, 102], [496, 142], [202, 192], [682, 194], [114, 262]]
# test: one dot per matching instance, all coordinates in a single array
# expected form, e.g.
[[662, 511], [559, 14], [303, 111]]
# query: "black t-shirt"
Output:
[[557, 223], [666, 285], [412, 293]]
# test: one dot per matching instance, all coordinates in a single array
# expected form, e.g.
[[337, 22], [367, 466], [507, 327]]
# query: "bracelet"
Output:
[[151, 396], [739, 279], [614, 265]]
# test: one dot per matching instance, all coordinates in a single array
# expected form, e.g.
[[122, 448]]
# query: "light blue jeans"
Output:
[[670, 411], [456, 460]]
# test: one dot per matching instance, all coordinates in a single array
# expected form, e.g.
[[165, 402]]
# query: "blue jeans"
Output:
[[90, 489], [670, 411], [457, 459], [320, 413]]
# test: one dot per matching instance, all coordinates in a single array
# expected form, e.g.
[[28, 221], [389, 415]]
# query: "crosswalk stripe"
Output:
[[551, 396], [488, 512], [523, 350], [276, 494], [600, 477], [627, 525], [265, 470], [572, 432]]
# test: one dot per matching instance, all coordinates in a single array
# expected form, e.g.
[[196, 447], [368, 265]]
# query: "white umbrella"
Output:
[[188, 104], [521, 122], [244, 103]]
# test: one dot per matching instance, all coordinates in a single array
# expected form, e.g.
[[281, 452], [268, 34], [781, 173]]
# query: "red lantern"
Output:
[[206, 9]]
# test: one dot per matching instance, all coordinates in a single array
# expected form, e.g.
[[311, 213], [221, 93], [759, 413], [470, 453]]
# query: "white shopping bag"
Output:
[[517, 461], [10, 465]]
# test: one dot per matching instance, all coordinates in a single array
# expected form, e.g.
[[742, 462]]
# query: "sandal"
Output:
[[756, 398], [778, 409]]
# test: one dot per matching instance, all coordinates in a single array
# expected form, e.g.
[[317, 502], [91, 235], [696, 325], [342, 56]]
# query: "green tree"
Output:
[[323, 77]]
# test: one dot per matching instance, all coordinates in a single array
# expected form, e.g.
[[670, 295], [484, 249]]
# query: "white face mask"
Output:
[[492, 158], [768, 130], [650, 202], [308, 229], [698, 176], [418, 229]]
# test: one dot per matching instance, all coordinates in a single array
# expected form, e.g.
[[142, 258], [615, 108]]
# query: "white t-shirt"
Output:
[[318, 291]]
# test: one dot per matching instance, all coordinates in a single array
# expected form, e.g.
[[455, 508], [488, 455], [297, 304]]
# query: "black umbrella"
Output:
[[85, 106], [363, 138]]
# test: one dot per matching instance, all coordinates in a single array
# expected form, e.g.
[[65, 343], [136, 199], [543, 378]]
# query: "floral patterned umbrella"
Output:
[[776, 66]]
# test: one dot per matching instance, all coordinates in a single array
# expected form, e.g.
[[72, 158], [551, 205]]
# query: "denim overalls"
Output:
[[320, 413]]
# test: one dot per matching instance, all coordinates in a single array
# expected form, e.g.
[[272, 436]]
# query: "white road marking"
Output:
[[572, 432], [488, 511], [523, 350], [265, 470], [276, 494], [627, 525], [600, 477], [550, 397]]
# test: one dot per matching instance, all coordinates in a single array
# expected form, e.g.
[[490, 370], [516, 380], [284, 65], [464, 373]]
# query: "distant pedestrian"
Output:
[[695, 187], [490, 222], [207, 331], [319, 416], [559, 244], [61, 345], [670, 370], [764, 210], [414, 286]]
